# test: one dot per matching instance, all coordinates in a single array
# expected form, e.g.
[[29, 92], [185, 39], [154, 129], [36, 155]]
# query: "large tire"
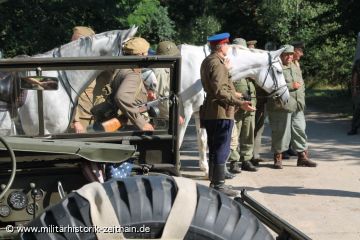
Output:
[[146, 201]]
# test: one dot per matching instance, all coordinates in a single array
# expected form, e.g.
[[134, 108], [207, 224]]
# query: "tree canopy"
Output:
[[329, 28]]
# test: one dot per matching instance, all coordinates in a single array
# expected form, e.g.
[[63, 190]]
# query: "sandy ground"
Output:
[[322, 202]]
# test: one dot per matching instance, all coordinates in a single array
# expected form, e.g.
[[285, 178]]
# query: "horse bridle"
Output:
[[272, 72]]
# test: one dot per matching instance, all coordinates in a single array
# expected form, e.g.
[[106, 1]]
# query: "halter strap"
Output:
[[271, 71]]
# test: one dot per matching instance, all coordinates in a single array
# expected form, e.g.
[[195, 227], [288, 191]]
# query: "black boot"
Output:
[[248, 166], [285, 155], [228, 175], [291, 152], [234, 167], [218, 181], [211, 170]]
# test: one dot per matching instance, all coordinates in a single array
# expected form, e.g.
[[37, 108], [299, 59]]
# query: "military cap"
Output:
[[136, 45], [251, 42], [288, 48], [167, 48], [83, 31], [219, 38], [239, 41], [298, 44]]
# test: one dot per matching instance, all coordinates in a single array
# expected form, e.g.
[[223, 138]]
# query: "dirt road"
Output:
[[323, 202]]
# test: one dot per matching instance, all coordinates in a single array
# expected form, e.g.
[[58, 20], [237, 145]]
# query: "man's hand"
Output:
[[151, 95], [78, 127], [296, 85], [148, 127], [181, 120], [246, 106], [238, 95]]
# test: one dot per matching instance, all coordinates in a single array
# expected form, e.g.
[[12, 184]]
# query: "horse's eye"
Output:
[[279, 70]]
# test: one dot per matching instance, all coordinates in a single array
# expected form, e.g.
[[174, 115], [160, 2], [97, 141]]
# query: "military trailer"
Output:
[[39, 172]]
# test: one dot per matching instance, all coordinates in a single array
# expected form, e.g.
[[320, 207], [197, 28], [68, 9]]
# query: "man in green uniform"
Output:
[[244, 123], [288, 122], [217, 111]]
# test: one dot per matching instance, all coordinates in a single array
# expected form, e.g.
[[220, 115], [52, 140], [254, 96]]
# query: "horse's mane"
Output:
[[87, 41]]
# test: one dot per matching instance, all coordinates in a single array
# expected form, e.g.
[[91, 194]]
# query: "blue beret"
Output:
[[218, 37]]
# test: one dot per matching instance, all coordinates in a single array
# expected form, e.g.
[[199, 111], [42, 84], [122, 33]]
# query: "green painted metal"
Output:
[[96, 152]]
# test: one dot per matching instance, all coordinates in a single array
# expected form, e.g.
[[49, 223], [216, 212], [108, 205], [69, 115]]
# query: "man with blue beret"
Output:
[[217, 111]]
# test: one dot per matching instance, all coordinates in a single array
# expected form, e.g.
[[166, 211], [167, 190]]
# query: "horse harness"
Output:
[[272, 72]]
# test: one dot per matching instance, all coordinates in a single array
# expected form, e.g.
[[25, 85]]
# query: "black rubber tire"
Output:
[[146, 201]]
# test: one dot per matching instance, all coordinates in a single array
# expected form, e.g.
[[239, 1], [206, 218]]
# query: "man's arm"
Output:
[[125, 98]]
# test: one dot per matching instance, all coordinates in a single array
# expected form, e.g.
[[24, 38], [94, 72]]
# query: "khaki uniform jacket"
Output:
[[85, 103], [163, 89], [87, 98], [220, 91], [128, 90], [245, 86], [296, 102]]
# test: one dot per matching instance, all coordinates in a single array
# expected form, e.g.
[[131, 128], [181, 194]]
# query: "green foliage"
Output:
[[203, 27], [328, 28], [332, 61], [35, 26], [152, 20]]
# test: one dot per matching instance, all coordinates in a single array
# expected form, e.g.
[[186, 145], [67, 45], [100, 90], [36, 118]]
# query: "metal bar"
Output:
[[70, 63], [261, 217], [280, 223], [40, 101]]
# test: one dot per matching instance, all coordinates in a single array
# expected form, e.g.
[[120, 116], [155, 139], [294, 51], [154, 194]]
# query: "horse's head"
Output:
[[274, 75], [265, 67]]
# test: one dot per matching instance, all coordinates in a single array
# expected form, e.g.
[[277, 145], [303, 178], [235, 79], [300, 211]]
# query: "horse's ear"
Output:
[[133, 30], [277, 53]]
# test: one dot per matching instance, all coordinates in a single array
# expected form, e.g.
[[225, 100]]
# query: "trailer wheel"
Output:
[[146, 201]]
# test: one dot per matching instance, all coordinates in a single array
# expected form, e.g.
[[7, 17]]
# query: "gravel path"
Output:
[[323, 202]]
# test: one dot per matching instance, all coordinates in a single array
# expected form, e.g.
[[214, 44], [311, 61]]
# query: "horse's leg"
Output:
[[202, 144], [182, 128]]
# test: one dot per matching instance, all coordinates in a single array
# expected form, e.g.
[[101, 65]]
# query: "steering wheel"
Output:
[[13, 172]]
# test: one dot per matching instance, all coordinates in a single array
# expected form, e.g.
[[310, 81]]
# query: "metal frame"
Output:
[[285, 230], [105, 63]]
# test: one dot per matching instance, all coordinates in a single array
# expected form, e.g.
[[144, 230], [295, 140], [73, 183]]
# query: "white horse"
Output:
[[58, 105], [263, 66], [5, 120]]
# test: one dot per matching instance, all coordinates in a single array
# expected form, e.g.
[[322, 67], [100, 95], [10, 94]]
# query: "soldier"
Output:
[[261, 99], [128, 89], [260, 115], [217, 111], [163, 75], [244, 123], [355, 92], [288, 122], [82, 117], [298, 53], [251, 43]]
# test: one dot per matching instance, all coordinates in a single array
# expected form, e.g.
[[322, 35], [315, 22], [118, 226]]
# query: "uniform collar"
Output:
[[222, 59]]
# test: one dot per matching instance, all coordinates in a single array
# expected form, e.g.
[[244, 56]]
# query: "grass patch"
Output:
[[330, 100]]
